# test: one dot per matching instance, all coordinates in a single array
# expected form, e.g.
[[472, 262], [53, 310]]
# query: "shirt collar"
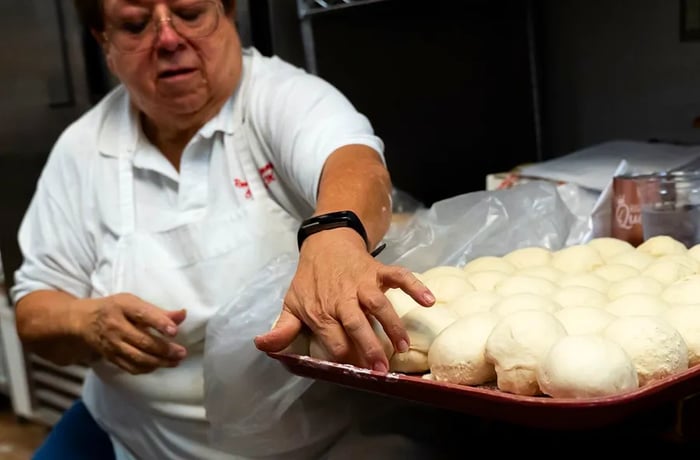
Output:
[[121, 127]]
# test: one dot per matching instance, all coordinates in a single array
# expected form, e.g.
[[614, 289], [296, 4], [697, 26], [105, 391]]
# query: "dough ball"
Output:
[[586, 366], [579, 296], [609, 247], [529, 257], [410, 362], [489, 263], [317, 350], [635, 259], [588, 280], [584, 320], [662, 245], [486, 281], [442, 270], [402, 302], [637, 304], [667, 271], [457, 355], [524, 301], [683, 291], [579, 258], [422, 324], [685, 260], [299, 346], [656, 348], [545, 271], [518, 284], [473, 302], [447, 287], [615, 272], [686, 320], [694, 252], [635, 285], [517, 345], [384, 339]]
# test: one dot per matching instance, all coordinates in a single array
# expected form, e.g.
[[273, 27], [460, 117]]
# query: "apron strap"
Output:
[[127, 209], [238, 143]]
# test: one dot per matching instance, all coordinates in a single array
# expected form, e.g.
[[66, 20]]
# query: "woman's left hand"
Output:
[[336, 286]]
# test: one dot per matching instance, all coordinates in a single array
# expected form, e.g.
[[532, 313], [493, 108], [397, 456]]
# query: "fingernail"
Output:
[[402, 346], [178, 353], [380, 367], [171, 330], [430, 298]]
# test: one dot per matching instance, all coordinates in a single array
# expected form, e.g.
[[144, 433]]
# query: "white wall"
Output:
[[617, 69]]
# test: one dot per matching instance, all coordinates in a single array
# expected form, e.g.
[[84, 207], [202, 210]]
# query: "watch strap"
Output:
[[333, 220]]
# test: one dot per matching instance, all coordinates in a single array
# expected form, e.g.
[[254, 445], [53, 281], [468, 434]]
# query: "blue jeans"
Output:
[[76, 436]]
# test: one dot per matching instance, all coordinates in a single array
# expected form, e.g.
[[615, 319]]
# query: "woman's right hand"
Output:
[[131, 333]]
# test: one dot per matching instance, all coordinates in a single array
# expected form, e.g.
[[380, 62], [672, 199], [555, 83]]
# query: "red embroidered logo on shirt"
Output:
[[238, 183], [267, 174]]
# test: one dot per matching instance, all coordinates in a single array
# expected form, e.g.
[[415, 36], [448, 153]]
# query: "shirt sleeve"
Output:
[[304, 119], [55, 246]]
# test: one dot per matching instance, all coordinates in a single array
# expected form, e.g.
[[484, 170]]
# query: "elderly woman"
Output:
[[160, 201]]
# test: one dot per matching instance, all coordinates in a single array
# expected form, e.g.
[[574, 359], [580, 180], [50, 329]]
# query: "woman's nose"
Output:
[[166, 36]]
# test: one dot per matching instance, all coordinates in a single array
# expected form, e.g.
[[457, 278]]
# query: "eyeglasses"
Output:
[[190, 20]]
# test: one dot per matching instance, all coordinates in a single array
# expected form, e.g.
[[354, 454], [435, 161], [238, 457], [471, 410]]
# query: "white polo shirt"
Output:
[[69, 233]]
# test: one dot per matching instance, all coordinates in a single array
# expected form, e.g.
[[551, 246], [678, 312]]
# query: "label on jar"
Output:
[[626, 210]]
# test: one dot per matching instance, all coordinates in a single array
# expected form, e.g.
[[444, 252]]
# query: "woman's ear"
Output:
[[99, 37], [102, 41]]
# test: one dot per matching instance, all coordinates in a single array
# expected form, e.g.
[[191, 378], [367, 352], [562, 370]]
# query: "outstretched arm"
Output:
[[338, 284]]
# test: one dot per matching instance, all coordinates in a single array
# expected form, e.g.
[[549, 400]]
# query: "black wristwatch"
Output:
[[334, 220]]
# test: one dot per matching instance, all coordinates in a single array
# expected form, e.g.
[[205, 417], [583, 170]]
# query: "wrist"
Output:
[[330, 221], [75, 323], [332, 238]]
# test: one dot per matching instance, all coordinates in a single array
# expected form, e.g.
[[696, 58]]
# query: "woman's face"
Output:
[[176, 57]]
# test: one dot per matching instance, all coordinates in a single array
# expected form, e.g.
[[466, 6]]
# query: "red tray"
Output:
[[533, 411]]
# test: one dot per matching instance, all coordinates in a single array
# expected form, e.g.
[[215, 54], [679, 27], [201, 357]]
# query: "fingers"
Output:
[[155, 346], [404, 279], [147, 315], [135, 361], [375, 303], [177, 316], [135, 335], [337, 343], [363, 337], [281, 335]]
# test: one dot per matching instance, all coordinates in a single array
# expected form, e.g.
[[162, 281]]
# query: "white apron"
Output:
[[197, 266]]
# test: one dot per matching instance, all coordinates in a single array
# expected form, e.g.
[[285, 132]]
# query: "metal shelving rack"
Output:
[[307, 9]]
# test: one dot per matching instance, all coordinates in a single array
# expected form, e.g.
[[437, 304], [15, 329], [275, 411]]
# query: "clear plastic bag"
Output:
[[461, 228], [248, 395], [245, 390]]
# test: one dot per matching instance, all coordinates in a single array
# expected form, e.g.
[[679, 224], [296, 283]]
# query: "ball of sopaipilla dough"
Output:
[[609, 247], [586, 366], [655, 347], [457, 355], [578, 258], [516, 347], [528, 257], [584, 320]]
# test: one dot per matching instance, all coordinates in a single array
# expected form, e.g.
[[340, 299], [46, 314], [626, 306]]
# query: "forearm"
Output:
[[47, 324], [355, 179]]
